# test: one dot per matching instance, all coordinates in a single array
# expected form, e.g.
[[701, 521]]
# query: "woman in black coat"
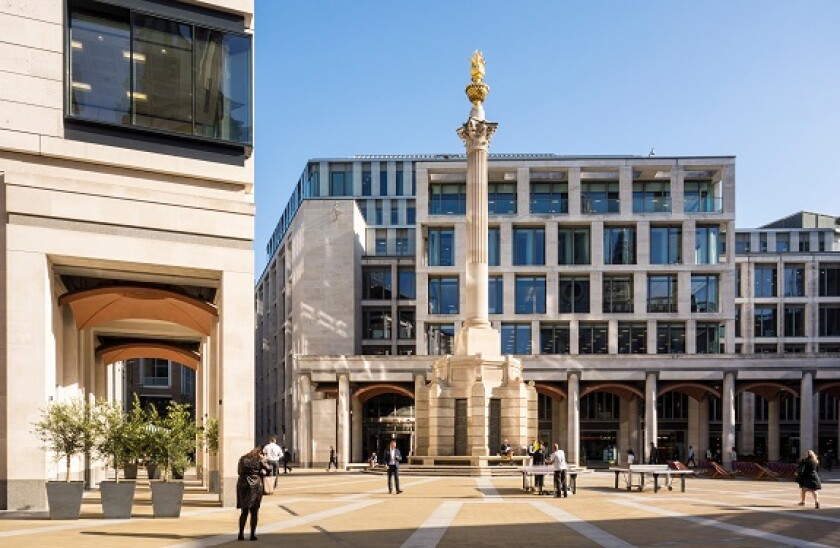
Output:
[[808, 478], [249, 489]]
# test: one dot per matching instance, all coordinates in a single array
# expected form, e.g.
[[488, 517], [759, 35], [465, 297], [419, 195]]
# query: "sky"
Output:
[[756, 79]]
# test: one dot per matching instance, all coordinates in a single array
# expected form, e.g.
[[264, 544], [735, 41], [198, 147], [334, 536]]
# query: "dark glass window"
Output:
[[341, 183], [707, 245], [765, 281], [632, 338], [528, 246], [804, 243], [410, 213], [600, 406], [662, 293], [665, 245], [549, 198], [383, 182], [381, 243], [441, 246], [709, 338], [794, 321], [407, 287], [742, 244], [618, 294], [402, 242], [599, 198], [495, 295], [376, 323], [619, 245], [443, 295], [829, 320], [501, 198], [704, 293], [554, 338], [367, 183], [670, 338], [377, 212], [699, 197], [782, 242], [672, 406], [830, 281], [135, 69], [765, 321], [400, 181], [592, 338], [573, 245], [493, 246], [440, 338], [376, 283], [516, 338], [530, 294], [395, 212], [651, 197], [573, 294], [794, 281], [406, 319], [447, 199]]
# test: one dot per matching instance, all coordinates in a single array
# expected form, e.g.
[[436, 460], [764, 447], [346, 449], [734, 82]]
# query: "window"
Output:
[[619, 245], [665, 244], [573, 294], [406, 319], [709, 338], [662, 293], [530, 295], [549, 198], [447, 199], [670, 338], [495, 295], [742, 244], [554, 338], [381, 242], [737, 320], [383, 179], [367, 184], [376, 282], [738, 280], [516, 338], [528, 246], [188, 382], [341, 182], [707, 245], [651, 197], [400, 181], [410, 212], [403, 243], [704, 293], [592, 338], [829, 320], [794, 281], [804, 243], [493, 246], [443, 295], [632, 338], [699, 197], [407, 284], [136, 70], [762, 242], [672, 406], [764, 321], [782, 242], [573, 245], [599, 197], [618, 294], [765, 281], [600, 406], [794, 321], [155, 372], [830, 280], [376, 323], [441, 246], [406, 350], [440, 338], [501, 198], [377, 213], [395, 212]]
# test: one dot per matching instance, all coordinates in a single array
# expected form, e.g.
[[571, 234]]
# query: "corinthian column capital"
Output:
[[476, 134]]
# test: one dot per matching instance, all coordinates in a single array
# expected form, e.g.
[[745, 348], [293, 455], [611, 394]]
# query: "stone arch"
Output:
[[145, 349], [548, 389], [766, 389], [694, 390], [368, 391], [625, 391], [829, 387]]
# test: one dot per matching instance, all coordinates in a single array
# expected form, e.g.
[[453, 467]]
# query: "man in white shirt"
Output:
[[273, 453], [392, 461], [558, 459]]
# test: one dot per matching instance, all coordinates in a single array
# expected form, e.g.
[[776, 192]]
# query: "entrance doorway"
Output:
[[387, 417]]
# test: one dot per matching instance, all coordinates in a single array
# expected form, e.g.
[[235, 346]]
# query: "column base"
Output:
[[478, 341]]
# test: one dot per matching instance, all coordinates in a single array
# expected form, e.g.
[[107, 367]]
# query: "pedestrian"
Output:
[[652, 456], [372, 460], [273, 452], [287, 456], [392, 460], [709, 456], [249, 489], [539, 460], [733, 457], [558, 459], [631, 456], [808, 478], [829, 457], [333, 459], [691, 461]]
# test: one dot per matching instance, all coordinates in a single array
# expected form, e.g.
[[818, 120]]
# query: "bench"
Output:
[[350, 466], [753, 470], [529, 472], [653, 470], [718, 471], [466, 460]]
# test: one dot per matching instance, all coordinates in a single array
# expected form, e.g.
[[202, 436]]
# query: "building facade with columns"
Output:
[[126, 193]]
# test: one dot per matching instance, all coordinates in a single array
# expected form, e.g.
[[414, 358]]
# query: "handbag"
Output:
[[268, 485]]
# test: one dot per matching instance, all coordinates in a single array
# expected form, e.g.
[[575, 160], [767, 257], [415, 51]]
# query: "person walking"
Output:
[[333, 459], [558, 459], [539, 460], [287, 456], [249, 489], [273, 452], [733, 458], [691, 460], [808, 478], [392, 461]]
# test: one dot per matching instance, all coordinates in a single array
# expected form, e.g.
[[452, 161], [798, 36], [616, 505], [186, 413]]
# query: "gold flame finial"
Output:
[[477, 90]]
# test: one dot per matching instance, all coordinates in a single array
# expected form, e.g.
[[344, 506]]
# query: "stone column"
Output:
[[651, 431], [746, 442], [703, 428], [633, 420], [624, 427], [728, 419], [773, 450], [304, 429], [356, 430], [343, 441], [573, 418], [694, 429], [806, 413]]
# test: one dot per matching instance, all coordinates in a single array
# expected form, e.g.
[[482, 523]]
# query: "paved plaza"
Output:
[[354, 509]]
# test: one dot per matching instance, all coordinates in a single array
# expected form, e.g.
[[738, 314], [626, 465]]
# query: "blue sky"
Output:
[[757, 79]]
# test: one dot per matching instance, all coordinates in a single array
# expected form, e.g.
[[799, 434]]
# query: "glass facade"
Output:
[[632, 338], [407, 284], [549, 198], [830, 281], [593, 338], [652, 197], [530, 294], [794, 280], [665, 245], [495, 295], [707, 244], [494, 251], [599, 197], [447, 198], [406, 318], [794, 321], [662, 293], [699, 197], [573, 294], [765, 321], [501, 198], [704, 293], [516, 338], [573, 245], [443, 295], [829, 320], [441, 246], [670, 338], [440, 338], [376, 283], [376, 323], [554, 338], [708, 338], [765, 281], [619, 245], [618, 294], [528, 246]]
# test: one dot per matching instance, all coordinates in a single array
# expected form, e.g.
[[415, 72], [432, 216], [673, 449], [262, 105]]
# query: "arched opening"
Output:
[[551, 413], [603, 424], [388, 416], [674, 405]]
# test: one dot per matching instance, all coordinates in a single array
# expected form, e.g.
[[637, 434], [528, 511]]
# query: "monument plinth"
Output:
[[477, 397]]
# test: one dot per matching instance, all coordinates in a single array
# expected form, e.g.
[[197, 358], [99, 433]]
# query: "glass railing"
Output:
[[702, 204], [593, 205]]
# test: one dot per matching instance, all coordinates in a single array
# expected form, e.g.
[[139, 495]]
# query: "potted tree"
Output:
[[116, 435], [172, 438], [67, 429], [135, 448]]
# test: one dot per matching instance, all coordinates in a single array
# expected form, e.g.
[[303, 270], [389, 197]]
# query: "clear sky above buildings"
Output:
[[757, 79]]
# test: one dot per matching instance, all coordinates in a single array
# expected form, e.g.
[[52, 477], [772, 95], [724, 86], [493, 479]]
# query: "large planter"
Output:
[[153, 470], [117, 498], [65, 499], [130, 471], [167, 497]]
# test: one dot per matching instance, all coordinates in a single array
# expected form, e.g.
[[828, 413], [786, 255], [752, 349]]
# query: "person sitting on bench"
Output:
[[506, 451]]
